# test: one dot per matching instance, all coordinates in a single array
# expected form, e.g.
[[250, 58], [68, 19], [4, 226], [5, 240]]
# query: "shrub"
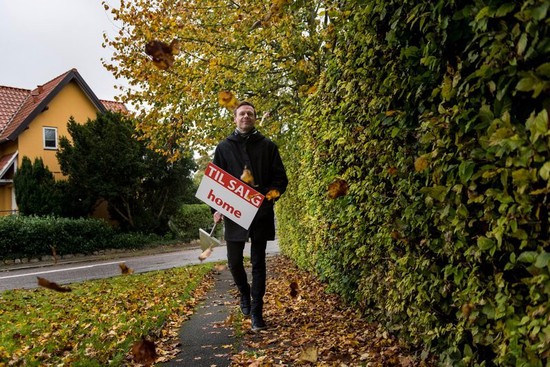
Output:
[[22, 236], [186, 223]]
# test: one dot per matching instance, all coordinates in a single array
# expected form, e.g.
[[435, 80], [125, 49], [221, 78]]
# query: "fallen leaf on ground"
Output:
[[144, 352]]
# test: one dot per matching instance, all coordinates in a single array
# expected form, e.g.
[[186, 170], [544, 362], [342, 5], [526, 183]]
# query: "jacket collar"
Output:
[[254, 136]]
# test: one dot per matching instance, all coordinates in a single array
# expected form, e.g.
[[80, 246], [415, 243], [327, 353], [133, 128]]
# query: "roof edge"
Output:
[[71, 75]]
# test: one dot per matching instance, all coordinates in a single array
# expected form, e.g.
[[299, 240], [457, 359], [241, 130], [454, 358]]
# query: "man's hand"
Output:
[[218, 217]]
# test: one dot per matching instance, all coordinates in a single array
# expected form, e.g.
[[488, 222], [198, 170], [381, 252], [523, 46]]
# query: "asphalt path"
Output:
[[88, 268]]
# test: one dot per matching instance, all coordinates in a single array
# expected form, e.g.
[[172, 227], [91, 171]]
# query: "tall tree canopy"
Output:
[[190, 62], [106, 160]]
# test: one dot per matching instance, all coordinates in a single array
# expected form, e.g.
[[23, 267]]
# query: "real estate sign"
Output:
[[229, 195]]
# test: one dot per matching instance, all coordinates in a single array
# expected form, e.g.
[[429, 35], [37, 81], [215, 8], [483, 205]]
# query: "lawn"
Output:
[[99, 321]]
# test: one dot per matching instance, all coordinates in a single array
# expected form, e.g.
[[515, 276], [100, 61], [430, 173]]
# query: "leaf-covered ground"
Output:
[[309, 327], [98, 322]]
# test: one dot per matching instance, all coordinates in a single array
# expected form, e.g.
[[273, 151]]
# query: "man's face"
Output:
[[245, 118]]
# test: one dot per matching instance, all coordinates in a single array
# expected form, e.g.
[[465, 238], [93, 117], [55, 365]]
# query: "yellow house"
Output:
[[31, 122]]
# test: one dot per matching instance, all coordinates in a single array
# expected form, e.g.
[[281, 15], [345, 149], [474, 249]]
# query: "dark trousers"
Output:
[[257, 258]]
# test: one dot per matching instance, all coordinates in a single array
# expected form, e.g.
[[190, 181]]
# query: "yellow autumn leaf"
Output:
[[420, 164], [310, 354], [227, 99]]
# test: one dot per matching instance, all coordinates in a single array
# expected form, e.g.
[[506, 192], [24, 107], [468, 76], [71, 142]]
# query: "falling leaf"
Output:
[[220, 267], [420, 164], [228, 100], [52, 285], [310, 354], [161, 53], [247, 176], [205, 254], [272, 194], [125, 269], [337, 188], [144, 352]]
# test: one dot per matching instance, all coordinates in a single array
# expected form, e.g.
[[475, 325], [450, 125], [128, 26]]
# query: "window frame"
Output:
[[55, 141]]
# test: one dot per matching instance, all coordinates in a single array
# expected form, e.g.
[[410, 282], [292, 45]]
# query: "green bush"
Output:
[[22, 236], [186, 223]]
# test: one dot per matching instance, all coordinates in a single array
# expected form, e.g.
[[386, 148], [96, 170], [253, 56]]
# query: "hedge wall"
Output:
[[29, 236], [430, 126]]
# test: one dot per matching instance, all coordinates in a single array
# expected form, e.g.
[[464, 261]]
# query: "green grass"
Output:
[[95, 324]]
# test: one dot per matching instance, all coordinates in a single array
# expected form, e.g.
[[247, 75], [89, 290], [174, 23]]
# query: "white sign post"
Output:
[[229, 196]]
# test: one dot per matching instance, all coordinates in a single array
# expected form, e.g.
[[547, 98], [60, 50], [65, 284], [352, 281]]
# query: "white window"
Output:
[[50, 138]]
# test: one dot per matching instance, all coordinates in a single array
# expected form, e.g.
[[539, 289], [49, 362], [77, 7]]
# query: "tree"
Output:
[[106, 160], [36, 192], [191, 61]]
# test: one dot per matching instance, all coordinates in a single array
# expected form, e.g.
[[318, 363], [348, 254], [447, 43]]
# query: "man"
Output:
[[247, 154]]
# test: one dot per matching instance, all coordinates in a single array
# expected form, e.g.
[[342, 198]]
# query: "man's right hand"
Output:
[[218, 217]]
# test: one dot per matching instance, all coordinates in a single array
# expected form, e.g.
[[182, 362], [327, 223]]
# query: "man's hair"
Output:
[[244, 103]]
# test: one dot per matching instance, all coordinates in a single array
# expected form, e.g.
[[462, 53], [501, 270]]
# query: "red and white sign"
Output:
[[229, 196]]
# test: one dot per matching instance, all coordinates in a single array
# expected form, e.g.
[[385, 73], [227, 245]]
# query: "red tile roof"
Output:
[[18, 107], [114, 106]]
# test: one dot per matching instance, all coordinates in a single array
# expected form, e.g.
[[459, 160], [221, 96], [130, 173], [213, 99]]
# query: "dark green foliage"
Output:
[[187, 221], [36, 191], [22, 236], [105, 160], [436, 114]]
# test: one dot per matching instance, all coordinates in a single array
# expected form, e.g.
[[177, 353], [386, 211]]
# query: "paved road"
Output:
[[95, 269]]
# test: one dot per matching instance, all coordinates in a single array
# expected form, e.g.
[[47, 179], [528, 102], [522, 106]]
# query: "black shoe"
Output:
[[258, 323], [245, 305]]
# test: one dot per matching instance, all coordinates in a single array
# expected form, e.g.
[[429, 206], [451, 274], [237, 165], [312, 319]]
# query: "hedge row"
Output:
[[431, 124], [23, 236]]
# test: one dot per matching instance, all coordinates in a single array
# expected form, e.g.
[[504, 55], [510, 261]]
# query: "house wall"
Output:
[[6, 200], [70, 101]]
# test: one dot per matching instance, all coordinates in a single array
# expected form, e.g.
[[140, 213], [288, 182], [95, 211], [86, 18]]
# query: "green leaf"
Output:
[[436, 192], [543, 260], [482, 13], [526, 84], [465, 170], [544, 171], [522, 44], [528, 257], [537, 125], [505, 9], [544, 69], [485, 243]]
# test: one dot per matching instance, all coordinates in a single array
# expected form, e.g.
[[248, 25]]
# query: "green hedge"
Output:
[[186, 223], [24, 236], [435, 114]]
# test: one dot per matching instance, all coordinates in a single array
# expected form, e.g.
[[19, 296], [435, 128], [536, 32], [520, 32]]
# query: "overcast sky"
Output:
[[41, 39]]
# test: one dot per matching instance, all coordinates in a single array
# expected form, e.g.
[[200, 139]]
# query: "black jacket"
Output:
[[262, 157]]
